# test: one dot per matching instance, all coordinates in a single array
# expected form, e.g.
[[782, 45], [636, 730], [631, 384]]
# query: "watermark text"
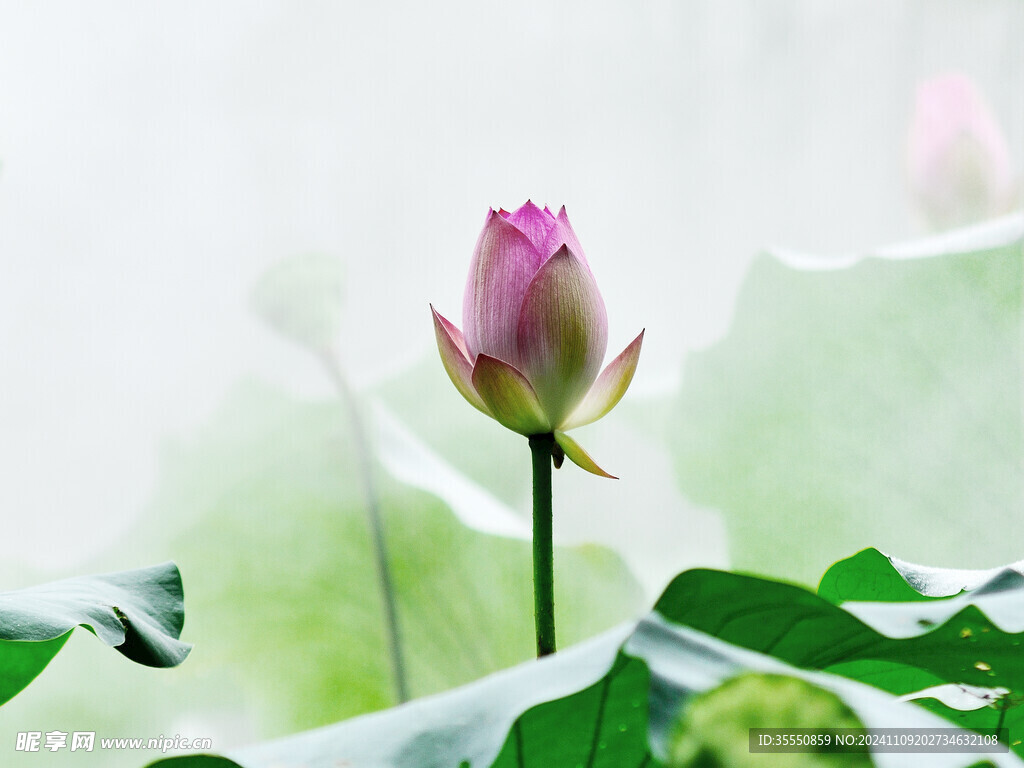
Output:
[[86, 741]]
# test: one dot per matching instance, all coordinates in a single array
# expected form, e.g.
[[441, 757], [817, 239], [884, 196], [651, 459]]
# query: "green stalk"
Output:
[[543, 550], [376, 525]]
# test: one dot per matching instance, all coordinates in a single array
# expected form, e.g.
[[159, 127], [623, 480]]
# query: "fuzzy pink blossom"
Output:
[[960, 169]]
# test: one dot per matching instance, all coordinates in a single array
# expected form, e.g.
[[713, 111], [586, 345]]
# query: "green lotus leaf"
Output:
[[140, 613]]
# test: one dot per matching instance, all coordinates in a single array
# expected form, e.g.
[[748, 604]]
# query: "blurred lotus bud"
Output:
[[959, 158], [715, 727], [301, 298]]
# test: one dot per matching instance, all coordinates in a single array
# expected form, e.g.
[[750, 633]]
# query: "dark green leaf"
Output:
[[562, 709], [684, 662], [21, 662], [139, 612], [603, 726], [973, 638], [869, 575]]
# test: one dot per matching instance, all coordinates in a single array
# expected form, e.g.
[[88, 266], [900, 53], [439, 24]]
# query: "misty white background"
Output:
[[156, 158]]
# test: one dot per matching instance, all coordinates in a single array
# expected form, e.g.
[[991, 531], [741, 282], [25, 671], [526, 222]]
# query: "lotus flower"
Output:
[[960, 168], [535, 332]]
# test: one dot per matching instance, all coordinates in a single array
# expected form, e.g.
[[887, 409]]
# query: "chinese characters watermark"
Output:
[[85, 741]]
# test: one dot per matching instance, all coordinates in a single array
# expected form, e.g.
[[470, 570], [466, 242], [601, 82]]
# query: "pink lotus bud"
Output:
[[959, 158], [535, 331]]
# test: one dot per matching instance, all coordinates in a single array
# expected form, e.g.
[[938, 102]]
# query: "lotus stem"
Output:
[[375, 521], [543, 549]]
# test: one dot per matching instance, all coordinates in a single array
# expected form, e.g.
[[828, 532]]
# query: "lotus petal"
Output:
[[452, 346], [534, 223], [562, 333], [948, 108], [503, 264], [509, 396], [959, 159], [609, 388], [562, 234], [579, 456]]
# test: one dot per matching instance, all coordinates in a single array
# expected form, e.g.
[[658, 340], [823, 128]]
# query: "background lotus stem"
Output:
[[543, 550], [376, 523]]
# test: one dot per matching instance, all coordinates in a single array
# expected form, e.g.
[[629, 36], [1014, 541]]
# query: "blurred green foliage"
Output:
[[714, 729], [874, 403]]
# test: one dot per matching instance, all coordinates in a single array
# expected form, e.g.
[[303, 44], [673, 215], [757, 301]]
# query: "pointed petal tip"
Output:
[[564, 251], [562, 232], [532, 206], [579, 456], [445, 323], [534, 223]]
